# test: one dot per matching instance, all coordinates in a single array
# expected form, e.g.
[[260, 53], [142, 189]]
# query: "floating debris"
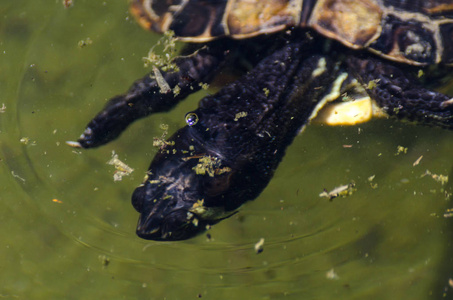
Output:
[[198, 207], [372, 84], [26, 141], [121, 168], [104, 259], [3, 108], [161, 82], [84, 43], [448, 213], [396, 110], [239, 115], [156, 181], [405, 180], [401, 149], [259, 246], [76, 152], [372, 184], [266, 92], [17, 176], [204, 86], [343, 191], [209, 165], [57, 201], [420, 73], [176, 90], [165, 61], [332, 275], [164, 127], [161, 142], [68, 3], [417, 161], [443, 179]]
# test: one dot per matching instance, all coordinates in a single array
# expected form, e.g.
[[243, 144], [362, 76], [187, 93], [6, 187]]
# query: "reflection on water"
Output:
[[67, 224]]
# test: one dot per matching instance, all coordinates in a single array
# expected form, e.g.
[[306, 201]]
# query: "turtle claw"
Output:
[[85, 140], [73, 144], [446, 103], [145, 97]]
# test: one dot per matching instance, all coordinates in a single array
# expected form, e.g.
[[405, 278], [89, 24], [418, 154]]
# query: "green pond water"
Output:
[[388, 240]]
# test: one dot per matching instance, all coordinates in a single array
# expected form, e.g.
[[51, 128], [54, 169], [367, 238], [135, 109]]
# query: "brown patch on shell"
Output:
[[151, 19], [355, 23], [246, 18]]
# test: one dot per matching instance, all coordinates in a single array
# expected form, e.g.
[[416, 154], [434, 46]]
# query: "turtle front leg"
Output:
[[152, 94], [401, 96]]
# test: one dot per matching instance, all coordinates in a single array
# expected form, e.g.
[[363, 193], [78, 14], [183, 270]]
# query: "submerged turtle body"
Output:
[[241, 133], [415, 32]]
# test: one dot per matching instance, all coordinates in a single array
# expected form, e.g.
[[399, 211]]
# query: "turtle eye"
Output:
[[191, 119]]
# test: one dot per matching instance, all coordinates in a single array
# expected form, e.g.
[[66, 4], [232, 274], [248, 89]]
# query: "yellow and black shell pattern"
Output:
[[417, 32]]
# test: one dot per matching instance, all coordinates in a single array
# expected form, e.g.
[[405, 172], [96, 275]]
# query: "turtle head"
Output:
[[163, 217], [175, 201], [165, 211]]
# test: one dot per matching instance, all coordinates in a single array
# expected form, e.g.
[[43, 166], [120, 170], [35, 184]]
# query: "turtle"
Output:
[[294, 57]]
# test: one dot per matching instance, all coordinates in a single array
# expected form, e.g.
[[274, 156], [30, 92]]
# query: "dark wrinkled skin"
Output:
[[198, 64], [175, 202], [250, 147]]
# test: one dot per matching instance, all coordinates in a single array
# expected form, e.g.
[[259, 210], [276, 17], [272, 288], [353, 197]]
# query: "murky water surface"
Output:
[[68, 230]]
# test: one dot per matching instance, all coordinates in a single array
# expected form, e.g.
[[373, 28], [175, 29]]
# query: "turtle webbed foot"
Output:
[[108, 124], [158, 91], [397, 91]]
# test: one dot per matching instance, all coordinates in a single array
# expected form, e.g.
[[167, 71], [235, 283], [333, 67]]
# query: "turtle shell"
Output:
[[417, 32]]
